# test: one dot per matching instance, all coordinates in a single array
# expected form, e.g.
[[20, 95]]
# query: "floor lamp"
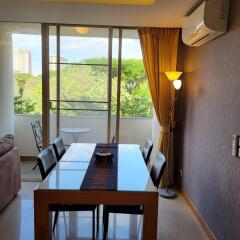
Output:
[[177, 83]]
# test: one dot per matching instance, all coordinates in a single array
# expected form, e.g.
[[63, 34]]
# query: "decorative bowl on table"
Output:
[[103, 157]]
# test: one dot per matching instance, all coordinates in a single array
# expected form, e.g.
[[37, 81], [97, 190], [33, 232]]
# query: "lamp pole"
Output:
[[172, 76], [167, 192]]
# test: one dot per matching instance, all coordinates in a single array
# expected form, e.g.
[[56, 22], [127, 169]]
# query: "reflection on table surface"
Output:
[[70, 171], [72, 166]]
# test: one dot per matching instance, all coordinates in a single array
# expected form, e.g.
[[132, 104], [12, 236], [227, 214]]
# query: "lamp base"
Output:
[[167, 193]]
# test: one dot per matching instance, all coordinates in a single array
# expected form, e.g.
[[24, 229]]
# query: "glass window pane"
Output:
[[135, 95], [21, 82], [97, 126], [84, 45], [136, 106], [84, 83], [27, 67]]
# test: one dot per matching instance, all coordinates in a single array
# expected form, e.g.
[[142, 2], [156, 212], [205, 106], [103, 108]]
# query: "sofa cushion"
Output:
[[6, 144]]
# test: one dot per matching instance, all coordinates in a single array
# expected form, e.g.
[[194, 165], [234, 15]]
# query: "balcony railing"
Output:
[[132, 130]]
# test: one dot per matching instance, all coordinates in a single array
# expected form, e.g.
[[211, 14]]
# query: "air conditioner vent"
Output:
[[207, 22]]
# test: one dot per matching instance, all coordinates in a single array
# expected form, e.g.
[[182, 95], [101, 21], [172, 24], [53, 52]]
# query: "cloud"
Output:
[[26, 41], [72, 43], [75, 49]]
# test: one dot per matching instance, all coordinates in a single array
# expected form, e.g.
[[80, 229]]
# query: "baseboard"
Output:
[[199, 217], [31, 179], [28, 158]]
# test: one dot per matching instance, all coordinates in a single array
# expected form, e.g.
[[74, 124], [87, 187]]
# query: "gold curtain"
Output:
[[159, 49]]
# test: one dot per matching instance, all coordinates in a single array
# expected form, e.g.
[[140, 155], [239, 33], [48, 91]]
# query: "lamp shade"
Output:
[[173, 75], [177, 84]]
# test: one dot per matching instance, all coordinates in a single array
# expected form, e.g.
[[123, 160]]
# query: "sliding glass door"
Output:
[[93, 77], [79, 83]]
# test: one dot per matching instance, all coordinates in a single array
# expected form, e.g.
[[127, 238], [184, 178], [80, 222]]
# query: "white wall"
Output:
[[132, 130], [6, 82], [164, 13]]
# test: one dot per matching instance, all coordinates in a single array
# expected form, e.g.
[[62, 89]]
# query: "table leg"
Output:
[[75, 137], [150, 219], [42, 222]]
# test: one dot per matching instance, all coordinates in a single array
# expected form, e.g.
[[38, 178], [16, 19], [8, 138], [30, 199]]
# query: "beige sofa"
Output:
[[10, 170]]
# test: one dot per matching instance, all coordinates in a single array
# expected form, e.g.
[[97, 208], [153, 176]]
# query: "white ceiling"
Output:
[[164, 13], [126, 2]]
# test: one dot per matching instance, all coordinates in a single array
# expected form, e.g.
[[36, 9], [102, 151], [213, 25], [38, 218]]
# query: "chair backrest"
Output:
[[37, 132], [158, 167], [59, 148], [46, 161], [147, 149], [113, 139]]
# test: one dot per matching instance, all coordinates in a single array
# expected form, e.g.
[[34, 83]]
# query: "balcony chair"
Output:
[[37, 133], [47, 161], [156, 175], [59, 148], [147, 150], [114, 139]]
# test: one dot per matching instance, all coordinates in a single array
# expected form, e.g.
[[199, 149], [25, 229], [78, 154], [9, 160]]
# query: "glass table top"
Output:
[[72, 166], [79, 152], [69, 173]]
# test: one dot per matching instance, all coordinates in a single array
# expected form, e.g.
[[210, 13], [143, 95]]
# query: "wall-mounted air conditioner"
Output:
[[207, 22]]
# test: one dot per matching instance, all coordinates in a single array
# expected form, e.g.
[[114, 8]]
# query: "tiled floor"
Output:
[[27, 172], [175, 222]]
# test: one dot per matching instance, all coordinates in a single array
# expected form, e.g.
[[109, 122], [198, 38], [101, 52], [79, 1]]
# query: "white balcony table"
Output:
[[75, 132]]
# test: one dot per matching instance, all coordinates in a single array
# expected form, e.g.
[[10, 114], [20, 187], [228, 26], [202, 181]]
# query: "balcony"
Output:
[[132, 130]]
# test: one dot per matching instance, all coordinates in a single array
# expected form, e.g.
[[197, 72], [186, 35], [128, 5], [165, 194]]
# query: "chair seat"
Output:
[[123, 209], [64, 207]]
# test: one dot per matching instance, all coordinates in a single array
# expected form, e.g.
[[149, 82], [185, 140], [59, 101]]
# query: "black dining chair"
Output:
[[47, 161], [147, 150], [37, 133], [59, 148], [156, 174]]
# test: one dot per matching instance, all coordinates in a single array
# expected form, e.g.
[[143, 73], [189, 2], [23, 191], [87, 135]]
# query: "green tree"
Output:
[[88, 83], [132, 73], [22, 104], [137, 103]]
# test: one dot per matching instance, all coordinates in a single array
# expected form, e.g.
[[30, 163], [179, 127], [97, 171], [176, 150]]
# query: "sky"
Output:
[[75, 49]]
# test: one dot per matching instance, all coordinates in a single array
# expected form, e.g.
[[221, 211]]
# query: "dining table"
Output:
[[79, 179]]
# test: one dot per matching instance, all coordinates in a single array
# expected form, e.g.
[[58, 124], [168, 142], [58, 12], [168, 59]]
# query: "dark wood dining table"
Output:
[[63, 186]]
